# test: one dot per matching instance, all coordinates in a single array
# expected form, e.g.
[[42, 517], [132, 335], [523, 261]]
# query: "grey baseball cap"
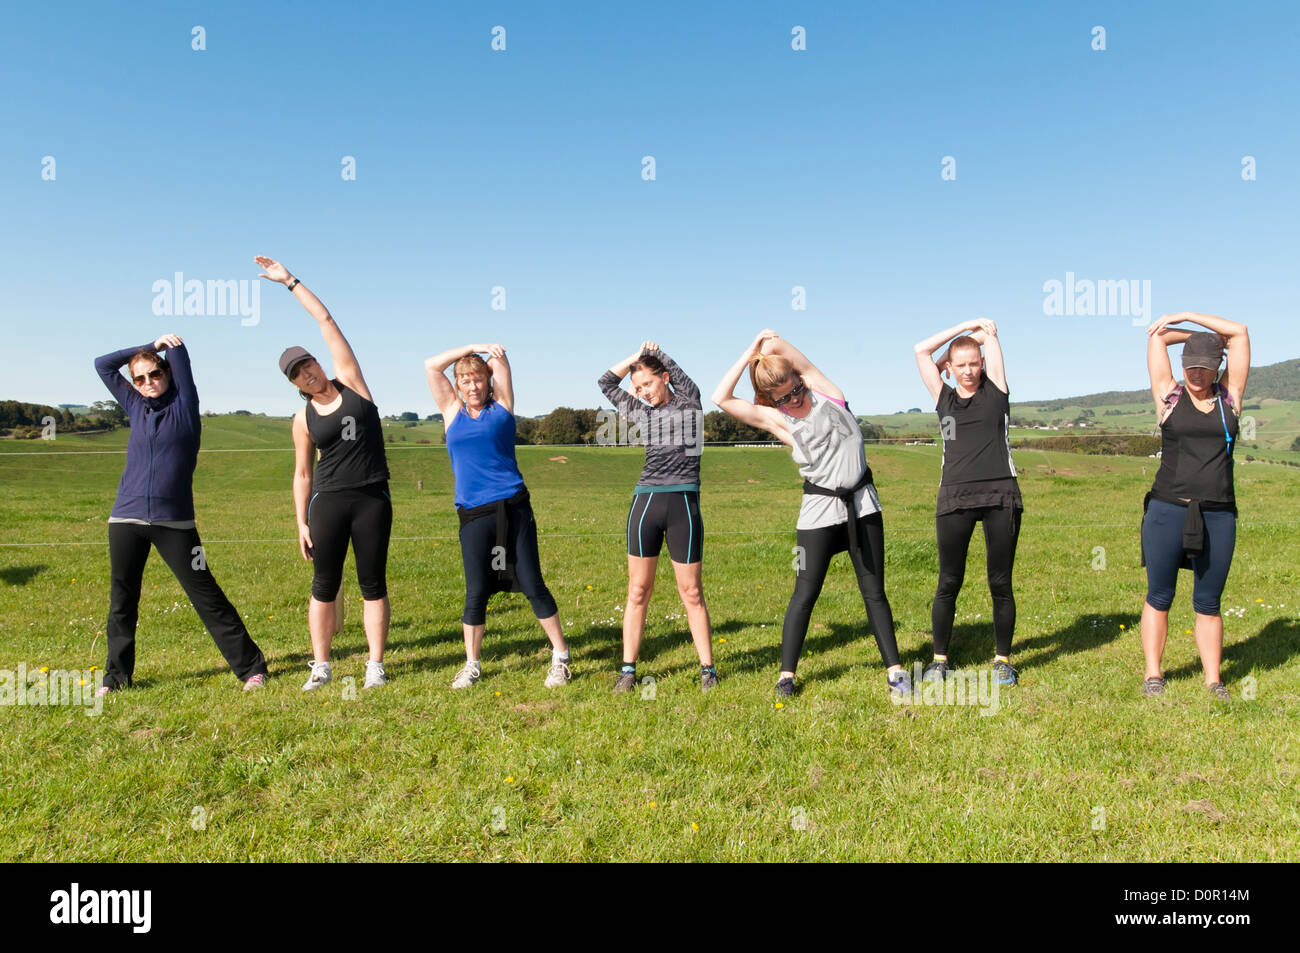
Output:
[[294, 355], [1203, 349]]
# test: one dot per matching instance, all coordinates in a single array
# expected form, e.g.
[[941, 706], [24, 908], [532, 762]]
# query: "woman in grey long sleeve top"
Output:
[[666, 415]]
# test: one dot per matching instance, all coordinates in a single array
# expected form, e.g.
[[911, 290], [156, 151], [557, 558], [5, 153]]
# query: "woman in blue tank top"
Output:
[[498, 534], [1190, 514]]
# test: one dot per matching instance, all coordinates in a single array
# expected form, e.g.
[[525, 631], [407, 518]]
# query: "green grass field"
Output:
[[1074, 765]]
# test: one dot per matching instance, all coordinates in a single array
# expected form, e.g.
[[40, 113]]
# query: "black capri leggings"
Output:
[[363, 515], [1001, 532], [817, 548], [477, 538]]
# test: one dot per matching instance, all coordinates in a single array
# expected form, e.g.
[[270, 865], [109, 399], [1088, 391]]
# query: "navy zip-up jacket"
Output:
[[163, 449]]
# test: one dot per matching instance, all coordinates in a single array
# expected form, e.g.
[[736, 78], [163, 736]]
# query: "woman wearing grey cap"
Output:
[[1190, 514], [343, 497]]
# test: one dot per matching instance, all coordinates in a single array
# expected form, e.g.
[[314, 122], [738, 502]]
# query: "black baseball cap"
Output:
[[1203, 349]]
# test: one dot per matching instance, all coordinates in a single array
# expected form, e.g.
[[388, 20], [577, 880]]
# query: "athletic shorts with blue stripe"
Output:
[[673, 512]]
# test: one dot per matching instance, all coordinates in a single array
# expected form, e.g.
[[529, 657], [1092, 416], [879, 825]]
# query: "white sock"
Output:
[[558, 656]]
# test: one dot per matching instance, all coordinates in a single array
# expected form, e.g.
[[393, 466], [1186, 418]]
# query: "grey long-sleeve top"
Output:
[[673, 433]]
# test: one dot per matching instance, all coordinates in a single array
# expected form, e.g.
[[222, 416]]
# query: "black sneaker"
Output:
[[625, 682], [785, 688], [708, 680], [1153, 686], [1220, 691], [936, 671]]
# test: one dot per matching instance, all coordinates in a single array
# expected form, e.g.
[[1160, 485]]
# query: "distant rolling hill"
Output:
[[1272, 403]]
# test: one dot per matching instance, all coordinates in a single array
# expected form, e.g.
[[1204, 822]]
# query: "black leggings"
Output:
[[477, 540], [1001, 531], [817, 546], [181, 550], [364, 515]]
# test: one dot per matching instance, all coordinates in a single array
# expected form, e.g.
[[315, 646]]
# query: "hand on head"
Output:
[[166, 341]]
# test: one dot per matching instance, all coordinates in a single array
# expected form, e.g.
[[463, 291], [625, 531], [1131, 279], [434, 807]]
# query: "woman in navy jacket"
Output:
[[155, 507]]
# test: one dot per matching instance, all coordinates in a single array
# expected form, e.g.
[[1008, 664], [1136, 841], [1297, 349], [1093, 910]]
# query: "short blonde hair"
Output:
[[473, 364]]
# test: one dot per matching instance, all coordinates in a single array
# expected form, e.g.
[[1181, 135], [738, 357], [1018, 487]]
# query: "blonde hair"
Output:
[[767, 371], [965, 341], [473, 364]]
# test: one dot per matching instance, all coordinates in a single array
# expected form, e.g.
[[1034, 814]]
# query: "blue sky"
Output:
[[774, 168]]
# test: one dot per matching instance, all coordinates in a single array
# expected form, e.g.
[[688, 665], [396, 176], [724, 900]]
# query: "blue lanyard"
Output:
[[1226, 436]]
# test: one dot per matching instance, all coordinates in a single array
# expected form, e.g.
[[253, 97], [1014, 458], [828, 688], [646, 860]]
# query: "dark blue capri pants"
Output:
[[1162, 542]]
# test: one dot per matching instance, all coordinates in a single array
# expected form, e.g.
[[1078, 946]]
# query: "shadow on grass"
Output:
[[1271, 647], [20, 575], [971, 645]]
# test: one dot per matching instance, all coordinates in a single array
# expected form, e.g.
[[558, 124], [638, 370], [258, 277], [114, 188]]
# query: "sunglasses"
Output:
[[795, 391], [153, 375]]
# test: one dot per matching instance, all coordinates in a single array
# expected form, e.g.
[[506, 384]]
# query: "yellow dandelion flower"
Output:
[[83, 681], [1260, 601], [498, 694], [780, 704], [589, 588], [510, 780], [720, 641], [45, 668], [653, 805], [1187, 631], [695, 827], [1122, 626]]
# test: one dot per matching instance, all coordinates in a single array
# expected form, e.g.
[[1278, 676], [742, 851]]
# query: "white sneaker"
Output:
[[559, 675], [320, 674], [375, 675], [467, 676]]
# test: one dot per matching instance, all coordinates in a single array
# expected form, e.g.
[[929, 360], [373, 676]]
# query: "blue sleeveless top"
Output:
[[483, 456]]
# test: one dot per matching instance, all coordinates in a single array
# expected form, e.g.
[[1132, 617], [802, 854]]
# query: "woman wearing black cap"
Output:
[[1190, 518], [344, 496]]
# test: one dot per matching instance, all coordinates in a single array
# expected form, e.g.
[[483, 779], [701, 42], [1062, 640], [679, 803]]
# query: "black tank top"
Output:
[[977, 466], [351, 443], [1195, 455]]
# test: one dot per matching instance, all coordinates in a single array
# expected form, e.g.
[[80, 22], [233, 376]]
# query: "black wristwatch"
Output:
[[293, 284]]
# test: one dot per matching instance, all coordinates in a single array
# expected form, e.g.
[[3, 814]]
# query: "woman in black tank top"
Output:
[[1189, 516], [344, 497], [978, 484]]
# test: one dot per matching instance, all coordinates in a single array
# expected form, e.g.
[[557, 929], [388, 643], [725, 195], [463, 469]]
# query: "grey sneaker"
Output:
[[1152, 687], [375, 675], [320, 675], [254, 683], [467, 676], [625, 682], [708, 680], [558, 675], [785, 688], [1220, 691]]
